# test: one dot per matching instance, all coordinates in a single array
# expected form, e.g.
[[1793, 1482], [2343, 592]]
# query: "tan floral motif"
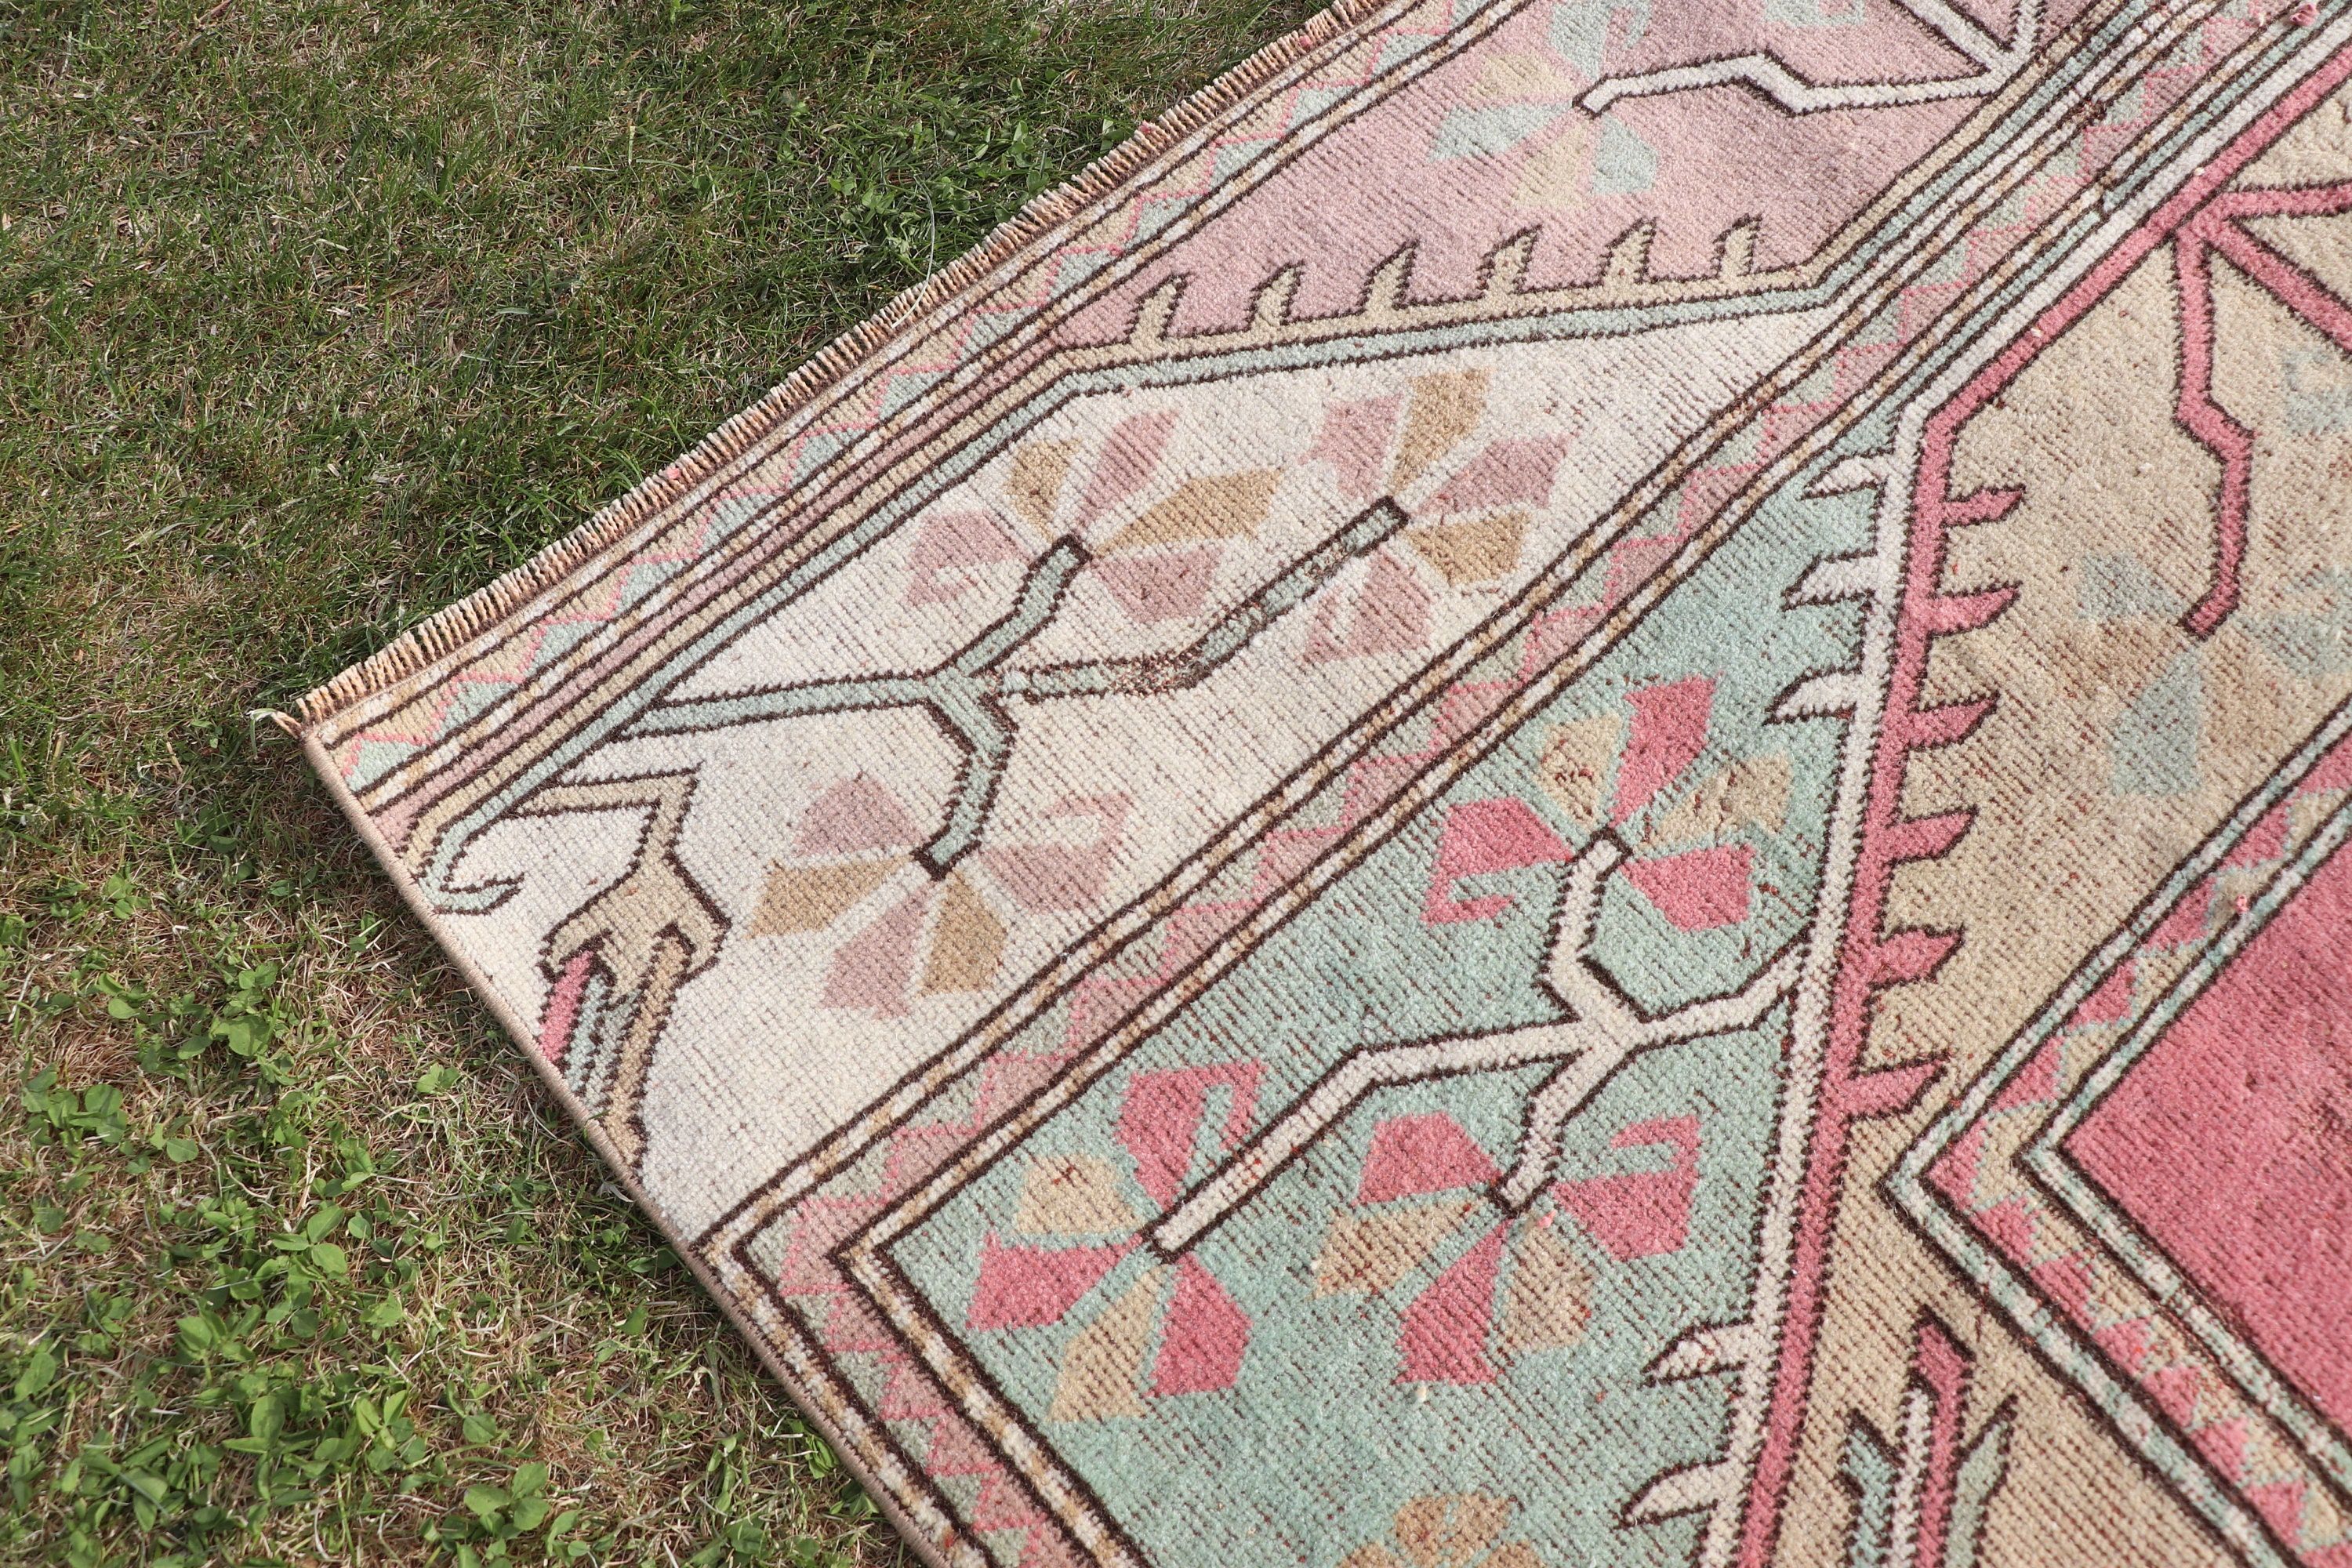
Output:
[[1462, 1529]]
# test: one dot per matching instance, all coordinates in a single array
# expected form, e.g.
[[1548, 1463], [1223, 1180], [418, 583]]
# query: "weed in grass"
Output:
[[313, 315]]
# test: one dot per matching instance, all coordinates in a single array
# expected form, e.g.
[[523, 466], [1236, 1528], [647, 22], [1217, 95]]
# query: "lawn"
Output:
[[312, 317]]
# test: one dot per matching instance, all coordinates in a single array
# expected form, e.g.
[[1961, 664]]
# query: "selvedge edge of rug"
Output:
[[447, 630], [1573, 629]]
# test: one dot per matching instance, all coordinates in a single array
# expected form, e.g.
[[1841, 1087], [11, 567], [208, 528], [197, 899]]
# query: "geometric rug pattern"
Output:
[[1569, 784]]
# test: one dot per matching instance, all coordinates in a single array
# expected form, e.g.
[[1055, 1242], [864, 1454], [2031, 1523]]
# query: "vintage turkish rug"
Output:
[[1566, 787]]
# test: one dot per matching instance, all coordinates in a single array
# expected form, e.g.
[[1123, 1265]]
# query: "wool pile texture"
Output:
[[1567, 786]]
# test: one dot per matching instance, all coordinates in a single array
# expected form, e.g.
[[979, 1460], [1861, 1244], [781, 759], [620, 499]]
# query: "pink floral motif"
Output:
[[1160, 1125], [1028, 1287], [952, 546], [1507, 473], [857, 814], [1127, 461], [1647, 1214], [1669, 730], [1444, 1335], [1388, 613], [1414, 1155], [1519, 1287], [1059, 875], [1201, 1331], [1701, 889], [1354, 440], [1481, 837], [850, 858], [874, 969], [1204, 1336]]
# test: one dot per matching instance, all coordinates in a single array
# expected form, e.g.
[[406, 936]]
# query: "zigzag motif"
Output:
[[1874, 957], [366, 759], [1143, 214], [2241, 1442], [2047, 1246], [935, 1437], [1996, 234], [1373, 780], [1099, 1002], [372, 752]]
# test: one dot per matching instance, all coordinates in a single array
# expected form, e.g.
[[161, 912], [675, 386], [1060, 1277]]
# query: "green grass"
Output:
[[313, 317]]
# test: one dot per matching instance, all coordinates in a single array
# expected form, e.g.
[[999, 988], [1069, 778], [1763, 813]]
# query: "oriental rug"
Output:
[[1567, 786]]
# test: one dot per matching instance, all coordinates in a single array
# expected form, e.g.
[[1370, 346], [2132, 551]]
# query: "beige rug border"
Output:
[[910, 1534], [446, 629]]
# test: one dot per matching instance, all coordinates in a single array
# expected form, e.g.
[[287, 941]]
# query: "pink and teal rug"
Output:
[[1564, 788]]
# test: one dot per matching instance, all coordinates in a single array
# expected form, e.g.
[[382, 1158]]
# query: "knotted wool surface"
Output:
[[1564, 787]]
